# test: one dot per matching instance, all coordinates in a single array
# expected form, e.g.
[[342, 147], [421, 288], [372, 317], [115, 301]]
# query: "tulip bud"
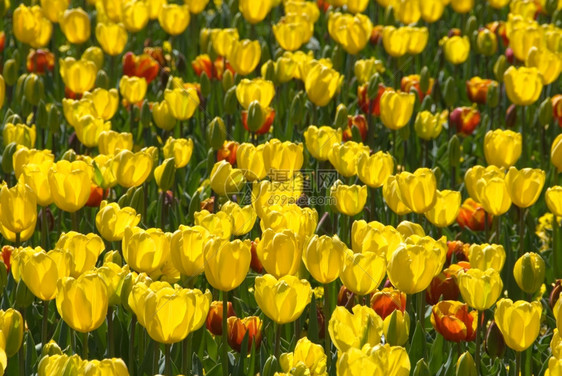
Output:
[[466, 365], [216, 133], [3, 276], [421, 368], [550, 7], [51, 348], [486, 42], [10, 72], [24, 297], [269, 71], [495, 344], [424, 80], [41, 116], [230, 101], [19, 87], [500, 67], [125, 198], [256, 117], [373, 85], [450, 92], [137, 200], [511, 116], [396, 328], [529, 272], [165, 174], [493, 95], [114, 257], [227, 80], [454, 151], [471, 25], [297, 108], [53, 119], [389, 16], [69, 155], [341, 116], [545, 112], [338, 56], [7, 160], [34, 88], [205, 83], [102, 80]]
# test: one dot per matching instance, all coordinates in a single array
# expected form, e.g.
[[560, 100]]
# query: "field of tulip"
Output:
[[281, 187]]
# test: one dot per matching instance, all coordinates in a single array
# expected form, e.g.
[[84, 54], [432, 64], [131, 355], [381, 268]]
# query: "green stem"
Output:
[[85, 346], [477, 350], [18, 240], [521, 230], [132, 345], [44, 229], [21, 352], [224, 333], [528, 371], [168, 360], [278, 340], [420, 301], [45, 322], [187, 349], [73, 341], [327, 346], [75, 221], [518, 363], [110, 341]]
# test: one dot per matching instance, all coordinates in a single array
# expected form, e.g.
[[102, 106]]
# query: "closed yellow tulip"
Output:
[[395, 40], [350, 199], [323, 257], [373, 170], [307, 354], [218, 224], [428, 126], [555, 153], [187, 248], [70, 184], [196, 6], [446, 208], [319, 139], [112, 220], [227, 263], [85, 250], [523, 85], [529, 272], [266, 193], [282, 300], [254, 11], [110, 142], [523, 37], [432, 10], [553, 198], [256, 89], [292, 31], [41, 273], [75, 24], [407, 229], [105, 102], [525, 185], [391, 195], [364, 69], [243, 217], [502, 148], [88, 130], [352, 32], [417, 39], [20, 134], [249, 159], [244, 56], [407, 11], [146, 250], [279, 252], [133, 89], [344, 157], [74, 110], [82, 303], [135, 15], [548, 63], [95, 55], [321, 84], [396, 108], [456, 49], [475, 173], [180, 149], [113, 275], [418, 189], [174, 18], [486, 256], [480, 289], [78, 75], [12, 326], [223, 40], [226, 180], [30, 26], [111, 37], [493, 195], [462, 6], [519, 322], [354, 329], [374, 360], [554, 366], [163, 116], [362, 273], [19, 208], [103, 167], [282, 159], [289, 216], [374, 237], [182, 102], [132, 169], [36, 177]]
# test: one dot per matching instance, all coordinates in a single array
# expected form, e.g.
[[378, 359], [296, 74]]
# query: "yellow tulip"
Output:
[[82, 303], [395, 40], [374, 237], [132, 169], [289, 216], [480, 289], [180, 149], [254, 11], [162, 115], [396, 328], [78, 75], [321, 84], [318, 140], [70, 184], [523, 85], [30, 26], [407, 229], [392, 197], [553, 198], [36, 177], [249, 159], [377, 360], [554, 367], [486, 256], [75, 110], [85, 250], [362, 273], [498, 4], [462, 6], [105, 102], [19, 208], [244, 56], [493, 194], [53, 9], [354, 329], [113, 275], [267, 193], [417, 39], [174, 18], [282, 300], [282, 159], [365, 69], [133, 89], [279, 252], [344, 157], [432, 10], [135, 15], [243, 217], [227, 263], [407, 11], [95, 55], [218, 224], [502, 148], [307, 354], [525, 185], [523, 37], [110, 142], [88, 130], [12, 325], [446, 208], [428, 126], [187, 248], [396, 108], [474, 174], [103, 166], [75, 24], [20, 134], [223, 40], [111, 37], [350, 199], [352, 32], [226, 180], [111, 220], [547, 62], [417, 190], [373, 170], [323, 257], [182, 102], [59, 364], [292, 31], [529, 272], [146, 250], [41, 272], [256, 89], [555, 153], [519, 322], [196, 6], [456, 49]]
